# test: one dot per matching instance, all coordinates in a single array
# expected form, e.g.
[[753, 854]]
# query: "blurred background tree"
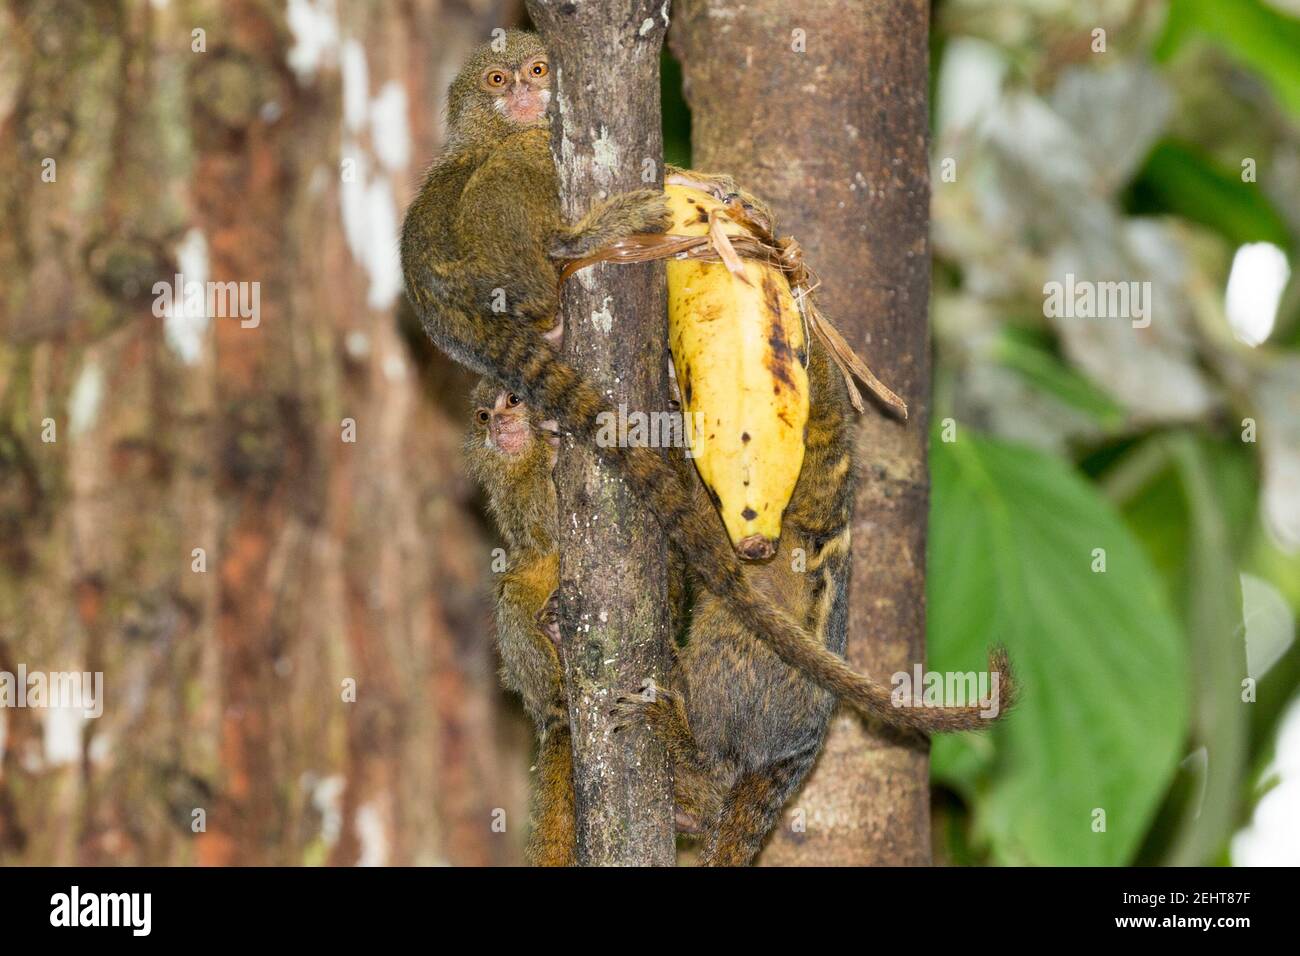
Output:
[[293, 626]]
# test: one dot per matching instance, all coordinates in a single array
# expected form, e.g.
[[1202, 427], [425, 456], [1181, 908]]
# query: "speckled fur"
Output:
[[753, 726], [488, 218], [521, 498]]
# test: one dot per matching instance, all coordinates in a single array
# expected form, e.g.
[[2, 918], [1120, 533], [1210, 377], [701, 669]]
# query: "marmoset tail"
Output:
[[477, 248], [736, 718], [741, 727]]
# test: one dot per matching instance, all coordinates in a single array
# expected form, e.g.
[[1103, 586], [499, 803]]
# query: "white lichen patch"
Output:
[[327, 797], [604, 155], [185, 323], [370, 225], [352, 197], [603, 319], [383, 262], [372, 835], [315, 28], [394, 367], [357, 344], [569, 163], [390, 134], [86, 398], [62, 737], [356, 86]]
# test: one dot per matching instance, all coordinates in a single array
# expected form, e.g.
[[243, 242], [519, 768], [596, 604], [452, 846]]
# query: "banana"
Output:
[[740, 354]]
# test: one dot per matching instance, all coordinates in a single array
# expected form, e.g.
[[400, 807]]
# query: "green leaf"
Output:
[[1182, 179], [1257, 35], [1045, 371], [1101, 664], [1220, 723], [1193, 508]]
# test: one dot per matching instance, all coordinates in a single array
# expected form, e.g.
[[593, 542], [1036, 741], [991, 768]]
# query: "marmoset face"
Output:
[[520, 91], [504, 87], [504, 426]]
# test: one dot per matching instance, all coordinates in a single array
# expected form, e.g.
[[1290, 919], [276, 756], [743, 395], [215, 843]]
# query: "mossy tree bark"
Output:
[[822, 108], [211, 139], [607, 139]]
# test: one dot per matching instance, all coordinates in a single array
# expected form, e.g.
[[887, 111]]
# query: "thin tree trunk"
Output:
[[607, 139], [834, 132]]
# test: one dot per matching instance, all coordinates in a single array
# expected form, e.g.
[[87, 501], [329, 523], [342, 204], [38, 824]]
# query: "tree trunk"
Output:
[[232, 157], [607, 139], [822, 108]]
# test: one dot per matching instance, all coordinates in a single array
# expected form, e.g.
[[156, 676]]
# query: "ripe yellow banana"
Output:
[[739, 352]]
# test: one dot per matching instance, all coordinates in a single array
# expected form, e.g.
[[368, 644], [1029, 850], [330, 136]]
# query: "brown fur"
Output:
[[488, 218], [553, 841], [741, 724], [742, 727], [521, 498], [530, 660]]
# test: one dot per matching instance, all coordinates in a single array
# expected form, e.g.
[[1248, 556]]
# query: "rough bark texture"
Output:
[[324, 559], [836, 137], [607, 139]]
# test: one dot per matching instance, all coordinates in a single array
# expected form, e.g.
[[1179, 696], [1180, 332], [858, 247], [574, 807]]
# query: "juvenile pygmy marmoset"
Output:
[[510, 453]]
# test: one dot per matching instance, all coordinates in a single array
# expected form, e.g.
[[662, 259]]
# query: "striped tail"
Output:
[[529, 366]]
